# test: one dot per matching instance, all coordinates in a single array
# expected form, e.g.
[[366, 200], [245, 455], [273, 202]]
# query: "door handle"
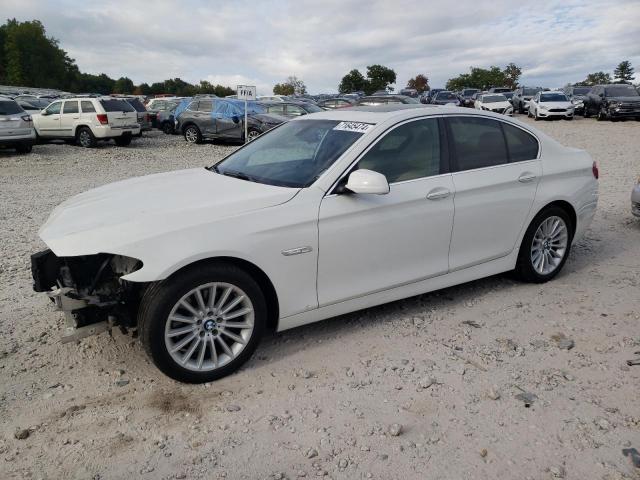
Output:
[[526, 177], [438, 193]]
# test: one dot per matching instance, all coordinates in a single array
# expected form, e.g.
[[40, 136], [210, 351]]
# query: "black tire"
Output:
[[85, 138], [601, 115], [123, 140], [160, 298], [167, 128], [24, 148], [192, 134], [585, 111], [525, 270], [520, 107]]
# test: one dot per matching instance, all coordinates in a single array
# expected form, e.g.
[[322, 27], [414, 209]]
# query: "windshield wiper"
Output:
[[239, 175]]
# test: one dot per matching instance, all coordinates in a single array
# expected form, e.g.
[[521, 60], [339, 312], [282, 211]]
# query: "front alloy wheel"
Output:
[[209, 326], [252, 135], [203, 323], [192, 134]]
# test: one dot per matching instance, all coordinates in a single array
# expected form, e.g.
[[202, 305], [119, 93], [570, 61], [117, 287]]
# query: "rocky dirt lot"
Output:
[[491, 379]]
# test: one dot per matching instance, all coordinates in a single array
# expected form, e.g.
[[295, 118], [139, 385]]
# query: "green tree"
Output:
[[511, 75], [624, 72], [597, 78], [292, 86], [283, 89], [123, 85], [144, 89], [379, 77], [420, 82], [353, 81], [480, 78]]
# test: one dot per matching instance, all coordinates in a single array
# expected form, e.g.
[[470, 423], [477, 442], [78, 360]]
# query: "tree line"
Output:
[[29, 58]]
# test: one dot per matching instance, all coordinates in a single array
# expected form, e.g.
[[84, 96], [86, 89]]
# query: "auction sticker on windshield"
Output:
[[357, 127]]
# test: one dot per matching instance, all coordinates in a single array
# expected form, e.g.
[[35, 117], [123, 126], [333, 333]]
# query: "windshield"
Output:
[[445, 96], [115, 105], [530, 91], [311, 108], [9, 107], [493, 98], [553, 97], [581, 90], [137, 104], [621, 91], [294, 154]]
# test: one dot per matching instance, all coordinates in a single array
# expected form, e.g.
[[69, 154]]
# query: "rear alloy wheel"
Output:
[[253, 134], [545, 246], [85, 138], [192, 134], [202, 324]]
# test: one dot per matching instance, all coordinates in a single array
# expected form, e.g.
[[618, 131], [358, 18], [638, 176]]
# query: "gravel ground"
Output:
[[491, 379]]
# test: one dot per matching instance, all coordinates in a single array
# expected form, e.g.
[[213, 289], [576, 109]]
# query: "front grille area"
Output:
[[557, 110]]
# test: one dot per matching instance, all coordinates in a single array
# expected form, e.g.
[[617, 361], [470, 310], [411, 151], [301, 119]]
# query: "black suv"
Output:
[[521, 97], [613, 101], [466, 95]]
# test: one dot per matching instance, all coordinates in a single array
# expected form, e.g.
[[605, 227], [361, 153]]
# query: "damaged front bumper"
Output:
[[89, 291]]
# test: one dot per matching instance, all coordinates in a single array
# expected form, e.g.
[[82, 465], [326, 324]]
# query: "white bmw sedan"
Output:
[[326, 214]]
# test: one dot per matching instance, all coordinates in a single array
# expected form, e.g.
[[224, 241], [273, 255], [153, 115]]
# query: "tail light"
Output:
[[26, 118], [595, 171], [103, 118]]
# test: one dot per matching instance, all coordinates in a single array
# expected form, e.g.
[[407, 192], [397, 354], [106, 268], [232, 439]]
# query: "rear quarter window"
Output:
[[115, 105], [477, 142], [87, 107], [522, 145]]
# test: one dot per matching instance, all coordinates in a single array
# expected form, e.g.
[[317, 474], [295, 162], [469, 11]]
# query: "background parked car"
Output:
[[550, 105], [144, 117], [635, 199], [493, 102], [385, 99], [85, 120], [212, 118], [274, 98], [521, 97], [612, 102], [499, 90], [465, 97], [157, 105], [409, 92], [31, 103], [577, 95], [431, 94], [445, 97], [290, 109], [16, 126], [338, 102]]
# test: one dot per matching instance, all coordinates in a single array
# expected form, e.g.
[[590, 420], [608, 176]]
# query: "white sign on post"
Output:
[[246, 92]]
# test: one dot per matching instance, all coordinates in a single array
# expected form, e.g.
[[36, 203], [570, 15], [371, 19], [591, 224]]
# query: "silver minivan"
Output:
[[16, 126]]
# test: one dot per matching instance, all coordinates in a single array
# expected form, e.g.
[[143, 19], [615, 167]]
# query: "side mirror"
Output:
[[44, 113], [235, 119], [367, 181]]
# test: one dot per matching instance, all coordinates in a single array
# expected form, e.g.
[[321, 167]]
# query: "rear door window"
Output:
[[205, 106], [477, 143], [70, 106], [277, 109]]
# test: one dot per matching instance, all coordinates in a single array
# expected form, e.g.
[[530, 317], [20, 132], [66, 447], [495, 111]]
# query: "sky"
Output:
[[262, 42]]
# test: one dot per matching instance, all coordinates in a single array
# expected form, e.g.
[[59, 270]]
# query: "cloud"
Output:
[[264, 42]]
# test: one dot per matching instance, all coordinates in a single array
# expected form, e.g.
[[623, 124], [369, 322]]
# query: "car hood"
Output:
[[624, 99], [108, 218], [269, 118]]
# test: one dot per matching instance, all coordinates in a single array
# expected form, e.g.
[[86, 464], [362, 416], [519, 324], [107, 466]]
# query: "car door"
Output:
[[204, 117], [69, 118], [495, 174], [370, 243], [48, 124], [229, 121]]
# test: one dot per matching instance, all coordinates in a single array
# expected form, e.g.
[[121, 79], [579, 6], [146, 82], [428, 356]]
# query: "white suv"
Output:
[[86, 120]]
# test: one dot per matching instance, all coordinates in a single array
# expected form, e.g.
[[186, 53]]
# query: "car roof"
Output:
[[380, 113]]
